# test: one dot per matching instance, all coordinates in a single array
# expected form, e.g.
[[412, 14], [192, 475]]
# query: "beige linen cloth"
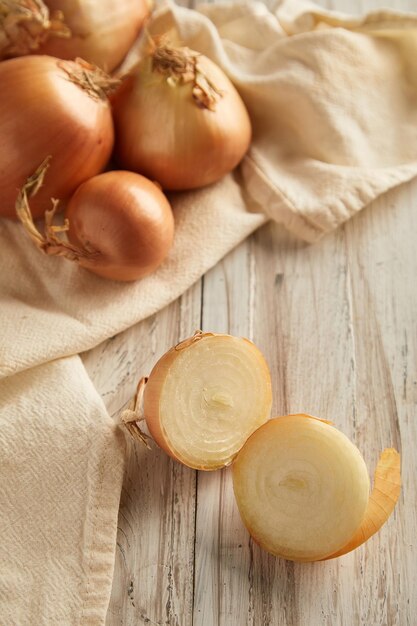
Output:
[[333, 102]]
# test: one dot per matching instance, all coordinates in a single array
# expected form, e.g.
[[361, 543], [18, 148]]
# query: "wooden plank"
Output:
[[338, 328], [337, 323], [326, 350], [153, 578], [227, 306]]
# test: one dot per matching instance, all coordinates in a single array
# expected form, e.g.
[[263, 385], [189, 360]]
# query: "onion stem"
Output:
[[186, 343], [98, 84], [181, 65]]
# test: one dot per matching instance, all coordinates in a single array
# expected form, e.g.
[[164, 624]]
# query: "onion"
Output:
[[179, 120], [25, 25], [56, 108], [205, 397], [102, 31], [119, 225], [302, 489]]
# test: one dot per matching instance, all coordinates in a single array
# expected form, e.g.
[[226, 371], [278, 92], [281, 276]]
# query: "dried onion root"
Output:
[[205, 397], [26, 24], [118, 225], [302, 489]]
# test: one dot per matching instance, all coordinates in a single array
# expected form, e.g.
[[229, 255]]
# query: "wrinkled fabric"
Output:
[[332, 101], [61, 468]]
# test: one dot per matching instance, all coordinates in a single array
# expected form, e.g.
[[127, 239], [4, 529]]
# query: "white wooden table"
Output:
[[337, 322]]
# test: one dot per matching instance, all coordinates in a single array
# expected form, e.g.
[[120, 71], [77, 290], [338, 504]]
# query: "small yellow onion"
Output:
[[179, 120], [302, 489], [102, 31], [205, 397], [50, 107], [119, 225]]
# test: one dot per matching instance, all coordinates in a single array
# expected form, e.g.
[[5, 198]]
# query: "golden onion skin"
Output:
[[102, 31], [126, 220], [164, 134], [43, 113]]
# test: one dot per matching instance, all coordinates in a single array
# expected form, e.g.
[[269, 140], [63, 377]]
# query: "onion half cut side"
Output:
[[301, 486], [302, 489], [205, 397]]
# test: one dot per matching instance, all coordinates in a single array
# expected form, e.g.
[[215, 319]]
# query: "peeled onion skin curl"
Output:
[[65, 114], [119, 225], [179, 120], [186, 442], [381, 501]]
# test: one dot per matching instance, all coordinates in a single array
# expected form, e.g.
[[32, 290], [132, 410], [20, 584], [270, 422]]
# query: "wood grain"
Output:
[[337, 322]]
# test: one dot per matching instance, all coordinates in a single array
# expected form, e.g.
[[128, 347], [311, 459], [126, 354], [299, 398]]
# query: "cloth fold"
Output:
[[333, 106], [61, 465]]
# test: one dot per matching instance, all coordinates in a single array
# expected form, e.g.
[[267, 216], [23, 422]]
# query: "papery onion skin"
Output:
[[126, 220], [162, 372], [102, 31], [165, 134], [382, 501], [313, 447], [43, 113]]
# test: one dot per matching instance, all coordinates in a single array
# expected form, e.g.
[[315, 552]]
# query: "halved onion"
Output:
[[205, 397], [302, 489], [301, 486]]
